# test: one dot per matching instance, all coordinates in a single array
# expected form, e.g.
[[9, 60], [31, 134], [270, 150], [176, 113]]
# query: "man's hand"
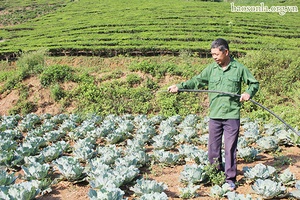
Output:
[[245, 97], [173, 89]]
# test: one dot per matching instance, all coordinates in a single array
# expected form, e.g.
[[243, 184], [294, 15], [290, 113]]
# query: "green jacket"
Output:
[[230, 80]]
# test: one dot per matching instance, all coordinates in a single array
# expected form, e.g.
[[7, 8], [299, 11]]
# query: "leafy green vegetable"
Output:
[[295, 139], [296, 193], [269, 189], [44, 186], [203, 139], [141, 156], [23, 191], [249, 154], [191, 152], [259, 171], [215, 176], [8, 145], [297, 185], [26, 149], [106, 179], [34, 159], [109, 193], [116, 136], [136, 144], [193, 174], [242, 142], [70, 168], [6, 158], [155, 120], [268, 143], [36, 171], [84, 153], [190, 120], [166, 157], [128, 173], [127, 161], [86, 142], [30, 121], [235, 196], [287, 178], [218, 192], [7, 179], [163, 142], [9, 122], [186, 135], [51, 153], [113, 166], [189, 192], [146, 131], [203, 125], [108, 154], [251, 131], [4, 192], [96, 167], [143, 186], [53, 136], [167, 128], [154, 196], [37, 142]]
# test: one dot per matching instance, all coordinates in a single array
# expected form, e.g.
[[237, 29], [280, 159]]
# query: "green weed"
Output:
[[215, 176]]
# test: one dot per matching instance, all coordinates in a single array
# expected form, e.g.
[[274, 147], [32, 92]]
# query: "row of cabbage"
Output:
[[109, 152]]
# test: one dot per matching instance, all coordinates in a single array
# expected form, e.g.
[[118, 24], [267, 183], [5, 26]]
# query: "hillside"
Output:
[[147, 28]]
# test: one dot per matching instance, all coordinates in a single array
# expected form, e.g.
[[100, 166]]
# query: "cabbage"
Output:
[[269, 189]]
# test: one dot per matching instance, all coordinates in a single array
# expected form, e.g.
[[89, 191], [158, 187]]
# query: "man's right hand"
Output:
[[173, 89]]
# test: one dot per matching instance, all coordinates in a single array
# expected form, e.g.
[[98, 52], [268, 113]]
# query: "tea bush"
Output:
[[56, 73]]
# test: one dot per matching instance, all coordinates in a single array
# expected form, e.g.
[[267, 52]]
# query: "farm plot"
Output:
[[119, 157]]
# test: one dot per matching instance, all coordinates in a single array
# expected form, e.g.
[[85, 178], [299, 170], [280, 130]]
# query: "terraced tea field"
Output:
[[140, 27]]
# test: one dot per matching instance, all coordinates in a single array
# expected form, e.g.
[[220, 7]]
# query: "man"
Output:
[[226, 75]]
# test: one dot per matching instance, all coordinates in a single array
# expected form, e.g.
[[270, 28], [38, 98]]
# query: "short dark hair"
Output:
[[221, 44]]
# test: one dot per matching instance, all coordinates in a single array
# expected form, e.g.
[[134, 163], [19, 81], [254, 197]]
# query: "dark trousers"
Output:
[[230, 129]]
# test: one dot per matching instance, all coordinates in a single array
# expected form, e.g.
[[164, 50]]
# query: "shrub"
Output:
[[57, 92], [23, 108], [133, 79], [154, 69], [28, 64], [31, 63], [56, 73]]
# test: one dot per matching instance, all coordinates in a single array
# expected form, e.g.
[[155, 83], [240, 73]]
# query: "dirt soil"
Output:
[[39, 95]]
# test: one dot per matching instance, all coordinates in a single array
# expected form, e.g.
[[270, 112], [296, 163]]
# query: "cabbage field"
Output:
[[111, 154]]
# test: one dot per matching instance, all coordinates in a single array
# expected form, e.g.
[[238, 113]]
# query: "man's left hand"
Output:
[[245, 97]]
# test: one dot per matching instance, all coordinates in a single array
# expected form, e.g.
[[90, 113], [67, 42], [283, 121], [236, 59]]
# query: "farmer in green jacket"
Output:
[[226, 75]]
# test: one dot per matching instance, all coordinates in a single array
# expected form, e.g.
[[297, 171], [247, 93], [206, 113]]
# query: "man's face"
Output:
[[219, 56]]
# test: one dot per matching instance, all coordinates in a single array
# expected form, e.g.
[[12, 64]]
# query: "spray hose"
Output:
[[237, 95]]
